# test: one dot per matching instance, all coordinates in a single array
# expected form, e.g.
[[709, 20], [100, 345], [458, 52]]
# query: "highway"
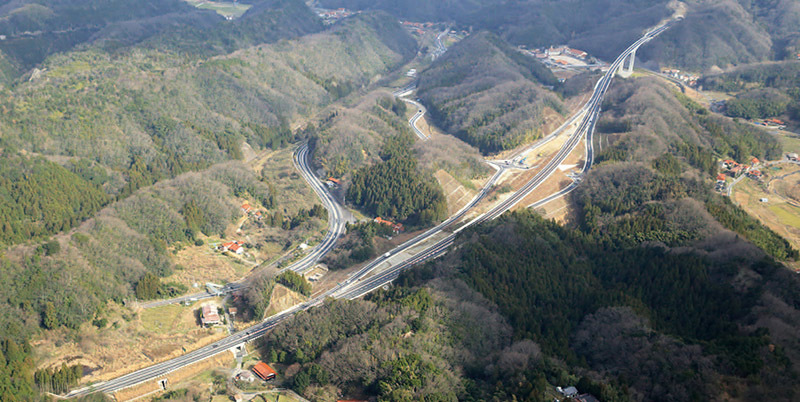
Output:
[[416, 117], [361, 282], [585, 130], [440, 46], [336, 220]]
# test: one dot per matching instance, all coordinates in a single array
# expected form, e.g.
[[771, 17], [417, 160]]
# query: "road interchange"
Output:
[[361, 282]]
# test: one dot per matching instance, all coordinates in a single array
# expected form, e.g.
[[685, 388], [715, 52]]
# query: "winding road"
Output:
[[364, 281]]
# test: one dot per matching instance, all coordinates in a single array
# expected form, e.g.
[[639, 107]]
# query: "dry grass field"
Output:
[[781, 211], [132, 340]]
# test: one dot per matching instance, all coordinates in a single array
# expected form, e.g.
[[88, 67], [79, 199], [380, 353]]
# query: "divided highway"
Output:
[[361, 283], [336, 220]]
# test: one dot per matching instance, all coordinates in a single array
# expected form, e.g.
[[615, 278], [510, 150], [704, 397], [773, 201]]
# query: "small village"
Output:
[[755, 170], [689, 79]]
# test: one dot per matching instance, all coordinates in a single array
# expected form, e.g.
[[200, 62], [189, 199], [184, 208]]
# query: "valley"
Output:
[[398, 200]]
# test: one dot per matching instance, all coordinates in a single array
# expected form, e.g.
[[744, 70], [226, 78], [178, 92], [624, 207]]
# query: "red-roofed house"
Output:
[[720, 177], [246, 208], [333, 182], [754, 161], [232, 246], [775, 121], [576, 53], [396, 227], [755, 174], [264, 371]]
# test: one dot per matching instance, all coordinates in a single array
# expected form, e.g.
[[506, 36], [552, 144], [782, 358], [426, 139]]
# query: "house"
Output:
[[246, 376], [232, 246], [792, 156], [236, 248], [396, 227], [754, 161], [264, 371], [728, 163], [720, 177], [258, 215], [586, 398], [246, 208], [568, 392], [736, 170], [210, 316], [755, 174], [333, 182], [576, 53], [775, 121]]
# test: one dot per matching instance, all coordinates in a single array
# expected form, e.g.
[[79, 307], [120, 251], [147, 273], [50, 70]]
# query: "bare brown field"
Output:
[[281, 299], [221, 360], [457, 195], [133, 340]]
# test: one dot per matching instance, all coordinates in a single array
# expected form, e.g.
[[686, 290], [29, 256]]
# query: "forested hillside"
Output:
[[720, 33], [124, 151], [147, 116], [35, 29], [396, 188], [659, 289], [763, 90], [488, 94], [603, 27], [38, 198]]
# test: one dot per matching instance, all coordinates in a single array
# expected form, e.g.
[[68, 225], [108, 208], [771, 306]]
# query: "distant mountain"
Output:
[[715, 32], [35, 29], [488, 94]]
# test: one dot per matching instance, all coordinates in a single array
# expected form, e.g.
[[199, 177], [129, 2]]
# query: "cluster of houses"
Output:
[[331, 16], [546, 53], [420, 28], [735, 169], [248, 210], [396, 227], [566, 51], [689, 79], [772, 123]]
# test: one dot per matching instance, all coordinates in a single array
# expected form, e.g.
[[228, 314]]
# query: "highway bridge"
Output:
[[362, 282]]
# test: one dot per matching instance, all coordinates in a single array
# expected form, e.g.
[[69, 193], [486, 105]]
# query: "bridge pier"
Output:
[[627, 72]]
